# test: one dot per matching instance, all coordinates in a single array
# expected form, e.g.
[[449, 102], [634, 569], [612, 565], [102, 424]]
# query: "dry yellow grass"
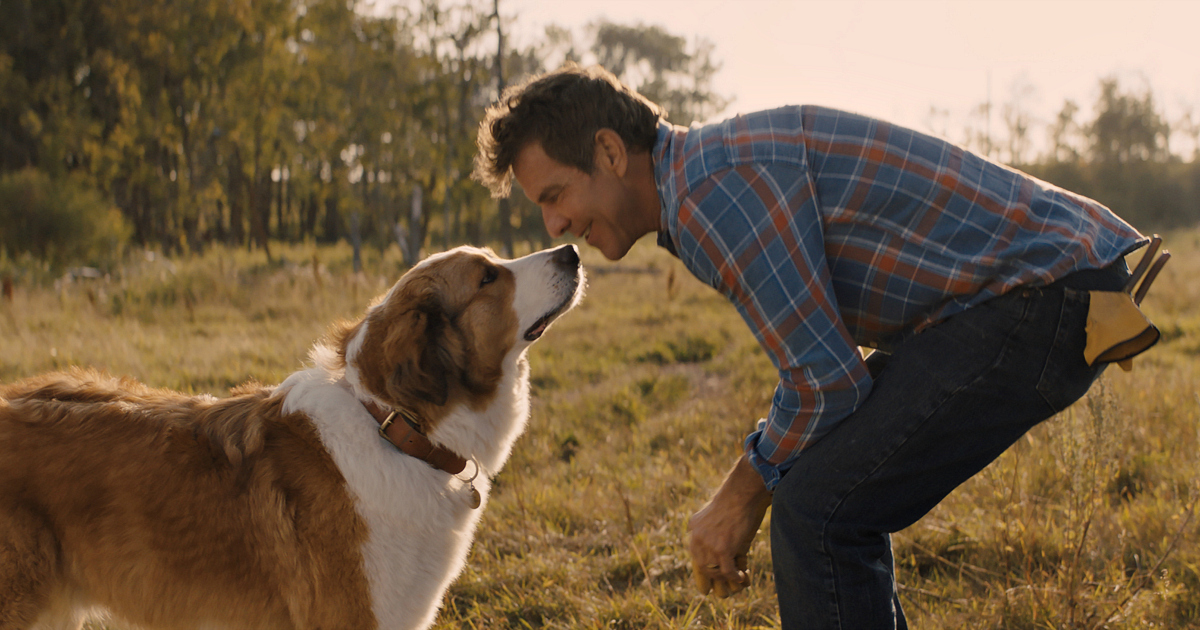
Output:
[[641, 399]]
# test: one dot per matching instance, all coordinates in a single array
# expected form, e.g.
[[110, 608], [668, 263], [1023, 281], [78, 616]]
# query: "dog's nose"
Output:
[[566, 256]]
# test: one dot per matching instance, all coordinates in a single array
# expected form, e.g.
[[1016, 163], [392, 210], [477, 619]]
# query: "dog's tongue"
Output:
[[536, 331]]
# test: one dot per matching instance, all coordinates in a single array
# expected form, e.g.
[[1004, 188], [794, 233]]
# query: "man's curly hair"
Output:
[[561, 110]]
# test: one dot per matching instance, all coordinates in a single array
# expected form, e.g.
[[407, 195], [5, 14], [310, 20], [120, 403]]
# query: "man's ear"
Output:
[[611, 152]]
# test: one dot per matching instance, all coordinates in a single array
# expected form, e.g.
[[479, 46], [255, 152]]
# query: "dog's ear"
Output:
[[330, 353], [423, 347]]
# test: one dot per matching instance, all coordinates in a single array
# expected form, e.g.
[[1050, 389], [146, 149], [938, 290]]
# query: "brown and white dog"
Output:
[[280, 507]]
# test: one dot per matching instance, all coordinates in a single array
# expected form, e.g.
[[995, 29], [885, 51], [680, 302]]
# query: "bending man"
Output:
[[829, 231]]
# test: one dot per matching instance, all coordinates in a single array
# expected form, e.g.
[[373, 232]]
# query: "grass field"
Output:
[[641, 399]]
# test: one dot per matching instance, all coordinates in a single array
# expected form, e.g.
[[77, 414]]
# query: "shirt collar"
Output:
[[667, 194]]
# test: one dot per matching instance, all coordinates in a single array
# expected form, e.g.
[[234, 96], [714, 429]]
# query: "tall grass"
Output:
[[641, 399]]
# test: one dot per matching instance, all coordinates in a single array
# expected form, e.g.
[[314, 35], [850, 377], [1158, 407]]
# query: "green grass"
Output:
[[641, 399]]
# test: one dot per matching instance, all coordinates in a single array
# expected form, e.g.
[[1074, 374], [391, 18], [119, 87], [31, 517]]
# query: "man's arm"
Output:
[[721, 532], [739, 236]]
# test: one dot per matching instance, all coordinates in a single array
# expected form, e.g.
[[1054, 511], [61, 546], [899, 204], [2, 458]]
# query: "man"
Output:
[[829, 231]]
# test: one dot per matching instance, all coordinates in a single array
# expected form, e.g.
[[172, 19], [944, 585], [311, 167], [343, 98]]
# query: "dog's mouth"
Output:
[[543, 323], [539, 327]]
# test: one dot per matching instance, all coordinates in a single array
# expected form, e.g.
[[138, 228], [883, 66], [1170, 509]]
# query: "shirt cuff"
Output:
[[770, 473]]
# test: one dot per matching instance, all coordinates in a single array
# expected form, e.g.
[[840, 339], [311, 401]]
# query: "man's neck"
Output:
[[640, 175]]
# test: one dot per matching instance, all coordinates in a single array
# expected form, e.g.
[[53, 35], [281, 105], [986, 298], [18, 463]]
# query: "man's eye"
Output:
[[489, 276]]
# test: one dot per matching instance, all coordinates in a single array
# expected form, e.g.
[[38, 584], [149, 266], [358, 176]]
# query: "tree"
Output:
[[1017, 120], [1189, 125], [659, 66], [978, 133], [61, 221], [246, 121], [450, 42], [1127, 127], [1121, 158], [1062, 132]]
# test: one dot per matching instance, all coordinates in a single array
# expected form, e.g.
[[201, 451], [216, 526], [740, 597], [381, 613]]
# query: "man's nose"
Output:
[[556, 225]]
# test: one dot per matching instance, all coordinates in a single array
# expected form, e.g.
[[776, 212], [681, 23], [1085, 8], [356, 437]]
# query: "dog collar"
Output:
[[409, 439]]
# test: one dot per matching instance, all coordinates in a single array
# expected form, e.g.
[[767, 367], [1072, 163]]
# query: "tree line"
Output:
[[176, 125], [1121, 157], [250, 121]]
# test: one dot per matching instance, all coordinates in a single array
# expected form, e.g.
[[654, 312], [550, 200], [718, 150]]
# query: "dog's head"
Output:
[[445, 331]]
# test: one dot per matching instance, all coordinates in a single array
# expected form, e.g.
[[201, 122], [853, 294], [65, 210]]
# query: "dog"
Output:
[[345, 497]]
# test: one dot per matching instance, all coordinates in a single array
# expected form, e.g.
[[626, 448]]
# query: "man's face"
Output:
[[596, 207]]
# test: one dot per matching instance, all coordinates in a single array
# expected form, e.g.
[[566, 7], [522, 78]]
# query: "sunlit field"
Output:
[[642, 396]]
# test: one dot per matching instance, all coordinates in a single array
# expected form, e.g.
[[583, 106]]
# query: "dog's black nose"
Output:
[[566, 256]]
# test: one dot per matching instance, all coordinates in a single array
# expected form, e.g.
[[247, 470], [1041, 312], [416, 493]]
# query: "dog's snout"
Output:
[[566, 256]]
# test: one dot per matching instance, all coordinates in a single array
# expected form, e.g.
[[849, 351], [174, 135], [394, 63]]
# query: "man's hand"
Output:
[[721, 532]]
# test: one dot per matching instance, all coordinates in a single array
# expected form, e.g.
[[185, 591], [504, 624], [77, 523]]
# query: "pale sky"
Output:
[[896, 58]]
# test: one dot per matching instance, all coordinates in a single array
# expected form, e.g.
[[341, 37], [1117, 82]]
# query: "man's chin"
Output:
[[613, 251], [613, 248], [614, 256]]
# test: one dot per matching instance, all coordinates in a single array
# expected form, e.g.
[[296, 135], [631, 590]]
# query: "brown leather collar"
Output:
[[408, 439]]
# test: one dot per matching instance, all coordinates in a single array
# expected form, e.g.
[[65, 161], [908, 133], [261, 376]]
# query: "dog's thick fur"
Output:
[[278, 507]]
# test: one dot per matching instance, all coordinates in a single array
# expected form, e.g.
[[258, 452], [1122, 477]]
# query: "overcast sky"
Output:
[[898, 58]]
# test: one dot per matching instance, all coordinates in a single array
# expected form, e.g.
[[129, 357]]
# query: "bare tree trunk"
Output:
[[333, 218], [260, 212], [356, 241], [280, 222], [287, 204], [505, 211], [416, 235], [235, 191]]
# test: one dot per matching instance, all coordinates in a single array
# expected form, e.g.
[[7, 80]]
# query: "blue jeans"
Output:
[[944, 404]]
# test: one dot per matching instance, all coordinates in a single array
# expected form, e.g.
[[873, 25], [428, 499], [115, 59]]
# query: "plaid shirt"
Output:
[[830, 230]]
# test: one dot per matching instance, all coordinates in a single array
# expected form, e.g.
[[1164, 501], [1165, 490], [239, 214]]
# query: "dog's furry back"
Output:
[[112, 455]]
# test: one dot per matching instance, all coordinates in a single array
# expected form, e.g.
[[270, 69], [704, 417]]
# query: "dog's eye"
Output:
[[489, 276]]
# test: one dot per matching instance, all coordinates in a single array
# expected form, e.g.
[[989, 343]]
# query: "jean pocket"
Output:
[[1066, 376]]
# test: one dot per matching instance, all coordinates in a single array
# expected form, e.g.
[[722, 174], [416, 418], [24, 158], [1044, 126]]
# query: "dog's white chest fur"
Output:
[[419, 519]]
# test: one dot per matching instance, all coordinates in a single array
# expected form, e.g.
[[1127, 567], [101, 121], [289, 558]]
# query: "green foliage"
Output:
[[246, 122], [250, 122], [60, 221], [678, 79], [1127, 128]]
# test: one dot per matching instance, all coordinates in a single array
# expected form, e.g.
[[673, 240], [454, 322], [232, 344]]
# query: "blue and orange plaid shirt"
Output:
[[829, 231]]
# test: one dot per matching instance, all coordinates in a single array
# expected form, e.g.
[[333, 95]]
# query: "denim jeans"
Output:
[[944, 404]]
